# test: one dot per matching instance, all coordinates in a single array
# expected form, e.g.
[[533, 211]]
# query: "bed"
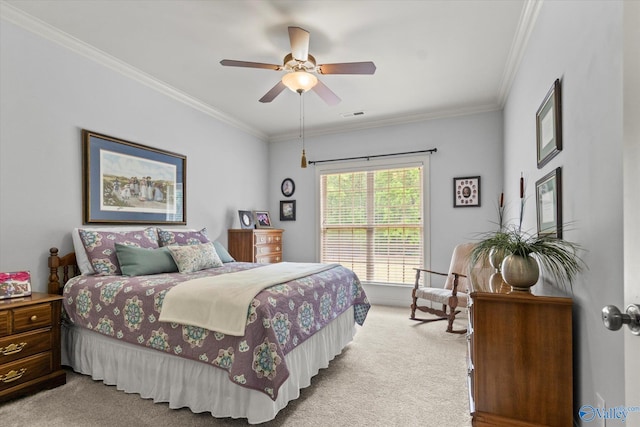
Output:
[[113, 328]]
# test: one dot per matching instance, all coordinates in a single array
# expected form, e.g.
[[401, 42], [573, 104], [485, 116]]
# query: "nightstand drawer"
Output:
[[28, 318], [24, 345], [24, 370]]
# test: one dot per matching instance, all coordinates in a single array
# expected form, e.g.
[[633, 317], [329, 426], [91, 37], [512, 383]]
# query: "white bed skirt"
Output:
[[196, 385]]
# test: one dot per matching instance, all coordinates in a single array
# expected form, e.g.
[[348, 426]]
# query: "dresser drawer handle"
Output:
[[34, 318], [12, 348], [13, 375]]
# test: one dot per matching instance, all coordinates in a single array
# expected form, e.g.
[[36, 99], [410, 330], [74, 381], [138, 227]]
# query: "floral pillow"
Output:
[[179, 237], [101, 250], [190, 258]]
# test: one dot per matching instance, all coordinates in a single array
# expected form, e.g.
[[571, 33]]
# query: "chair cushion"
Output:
[[441, 296]]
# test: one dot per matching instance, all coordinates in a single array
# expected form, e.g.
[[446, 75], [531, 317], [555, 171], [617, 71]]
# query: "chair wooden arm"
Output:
[[418, 270], [454, 291]]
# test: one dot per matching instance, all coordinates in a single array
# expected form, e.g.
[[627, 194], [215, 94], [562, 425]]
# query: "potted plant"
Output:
[[523, 251], [520, 267]]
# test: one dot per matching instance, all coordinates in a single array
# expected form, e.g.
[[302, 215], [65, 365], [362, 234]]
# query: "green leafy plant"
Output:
[[557, 256]]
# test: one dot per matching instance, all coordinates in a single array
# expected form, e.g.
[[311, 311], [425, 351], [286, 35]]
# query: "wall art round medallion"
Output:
[[288, 187]]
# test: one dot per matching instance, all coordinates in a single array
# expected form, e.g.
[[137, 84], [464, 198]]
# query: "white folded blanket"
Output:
[[221, 303]]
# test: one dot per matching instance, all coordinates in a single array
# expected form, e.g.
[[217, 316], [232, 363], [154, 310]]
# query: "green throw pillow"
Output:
[[222, 252], [140, 262]]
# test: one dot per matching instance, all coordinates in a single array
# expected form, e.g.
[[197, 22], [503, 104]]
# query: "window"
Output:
[[372, 222]]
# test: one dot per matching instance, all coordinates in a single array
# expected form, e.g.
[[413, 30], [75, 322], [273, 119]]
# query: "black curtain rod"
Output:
[[432, 150]]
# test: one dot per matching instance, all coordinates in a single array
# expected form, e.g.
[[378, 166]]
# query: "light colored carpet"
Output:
[[396, 372]]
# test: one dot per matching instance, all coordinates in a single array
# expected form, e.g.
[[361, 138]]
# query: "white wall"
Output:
[[580, 43], [49, 94], [467, 146]]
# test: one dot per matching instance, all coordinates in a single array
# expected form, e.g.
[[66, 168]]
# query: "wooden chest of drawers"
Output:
[[520, 359], [30, 345], [261, 245]]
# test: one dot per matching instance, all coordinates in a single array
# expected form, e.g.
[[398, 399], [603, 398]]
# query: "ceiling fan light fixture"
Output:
[[299, 81]]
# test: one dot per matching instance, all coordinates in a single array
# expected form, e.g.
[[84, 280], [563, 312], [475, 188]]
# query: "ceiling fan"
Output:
[[300, 68]]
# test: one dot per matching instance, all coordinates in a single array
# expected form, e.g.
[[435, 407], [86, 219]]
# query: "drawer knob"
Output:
[[34, 318], [12, 375], [12, 348]]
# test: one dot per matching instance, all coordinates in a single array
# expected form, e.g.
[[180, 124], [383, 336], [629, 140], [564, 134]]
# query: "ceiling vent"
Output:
[[352, 114]]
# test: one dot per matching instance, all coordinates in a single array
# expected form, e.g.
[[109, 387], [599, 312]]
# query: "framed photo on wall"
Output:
[[549, 126], [287, 210], [125, 182], [288, 187], [549, 203], [466, 192]]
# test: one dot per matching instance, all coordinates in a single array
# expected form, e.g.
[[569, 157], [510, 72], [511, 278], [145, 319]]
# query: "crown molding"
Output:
[[11, 14], [527, 22], [386, 122]]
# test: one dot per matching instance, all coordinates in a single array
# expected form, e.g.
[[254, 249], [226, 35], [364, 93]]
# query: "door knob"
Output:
[[613, 319]]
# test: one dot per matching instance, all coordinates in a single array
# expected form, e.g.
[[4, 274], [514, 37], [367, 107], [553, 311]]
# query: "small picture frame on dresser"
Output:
[[15, 284], [262, 218], [246, 219]]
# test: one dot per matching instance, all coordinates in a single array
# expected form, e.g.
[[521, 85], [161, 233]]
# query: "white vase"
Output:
[[519, 272]]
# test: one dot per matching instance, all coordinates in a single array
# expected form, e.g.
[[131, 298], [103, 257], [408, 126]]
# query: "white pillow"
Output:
[[81, 255]]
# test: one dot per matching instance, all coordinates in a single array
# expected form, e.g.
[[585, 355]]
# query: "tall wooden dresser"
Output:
[[520, 360], [30, 345], [261, 245]]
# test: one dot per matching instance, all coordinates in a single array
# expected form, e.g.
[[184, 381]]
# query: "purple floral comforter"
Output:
[[279, 319]]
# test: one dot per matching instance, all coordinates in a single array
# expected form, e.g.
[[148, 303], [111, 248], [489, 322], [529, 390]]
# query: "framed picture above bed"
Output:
[[128, 183]]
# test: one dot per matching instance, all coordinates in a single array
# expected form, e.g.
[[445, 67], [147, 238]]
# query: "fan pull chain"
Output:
[[303, 161]]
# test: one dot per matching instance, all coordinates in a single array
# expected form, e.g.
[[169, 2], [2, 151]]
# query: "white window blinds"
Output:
[[372, 222]]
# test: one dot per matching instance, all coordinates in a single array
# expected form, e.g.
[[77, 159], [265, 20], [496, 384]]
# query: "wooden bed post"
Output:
[[67, 262], [54, 263]]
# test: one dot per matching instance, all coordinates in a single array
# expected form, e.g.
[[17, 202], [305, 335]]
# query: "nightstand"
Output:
[[30, 345]]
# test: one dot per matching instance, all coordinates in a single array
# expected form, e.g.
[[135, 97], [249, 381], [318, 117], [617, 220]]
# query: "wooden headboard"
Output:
[[69, 267]]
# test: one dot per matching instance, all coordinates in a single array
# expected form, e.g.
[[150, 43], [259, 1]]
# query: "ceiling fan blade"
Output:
[[233, 63], [299, 39], [348, 68], [275, 91], [326, 94]]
